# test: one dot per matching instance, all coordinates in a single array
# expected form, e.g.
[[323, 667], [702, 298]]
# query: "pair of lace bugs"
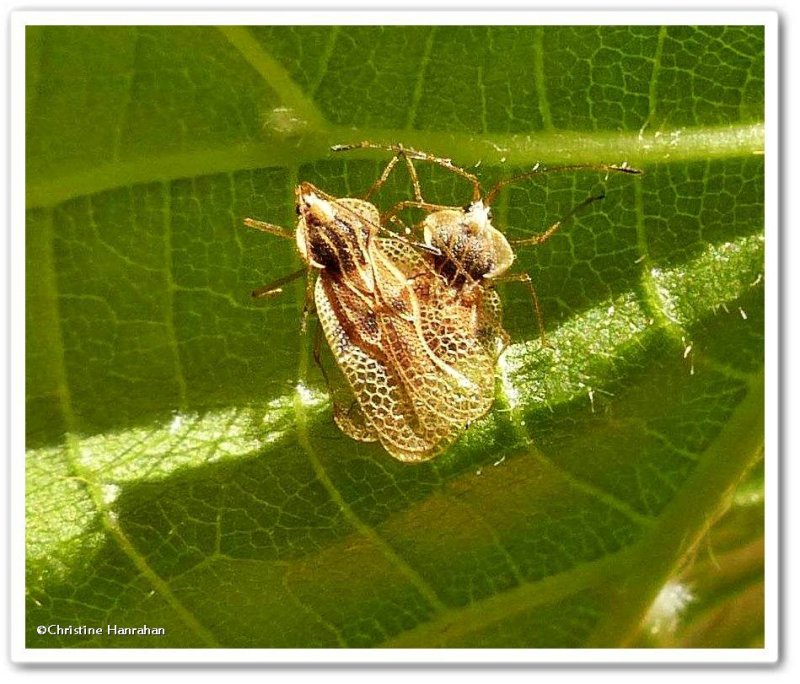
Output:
[[413, 323]]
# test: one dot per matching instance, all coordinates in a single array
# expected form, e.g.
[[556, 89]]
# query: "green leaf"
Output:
[[718, 597], [183, 469]]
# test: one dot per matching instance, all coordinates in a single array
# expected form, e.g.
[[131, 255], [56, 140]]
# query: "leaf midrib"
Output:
[[515, 150], [555, 147]]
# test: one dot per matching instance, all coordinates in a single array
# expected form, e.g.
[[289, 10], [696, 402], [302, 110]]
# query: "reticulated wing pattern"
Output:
[[455, 329], [452, 377], [411, 351], [385, 407], [461, 325]]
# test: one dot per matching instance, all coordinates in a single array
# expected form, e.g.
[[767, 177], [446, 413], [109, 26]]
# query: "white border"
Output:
[[417, 17], [20, 654]]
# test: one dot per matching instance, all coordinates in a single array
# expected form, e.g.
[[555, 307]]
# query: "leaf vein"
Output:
[[275, 75], [325, 60], [443, 629], [538, 74], [169, 301], [411, 575], [517, 425], [653, 303], [416, 96], [652, 91]]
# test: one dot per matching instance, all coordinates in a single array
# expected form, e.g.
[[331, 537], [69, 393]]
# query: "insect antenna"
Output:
[[270, 228], [379, 227], [538, 171], [276, 286], [543, 237]]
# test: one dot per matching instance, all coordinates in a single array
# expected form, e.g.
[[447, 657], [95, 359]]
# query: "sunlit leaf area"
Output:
[[183, 467]]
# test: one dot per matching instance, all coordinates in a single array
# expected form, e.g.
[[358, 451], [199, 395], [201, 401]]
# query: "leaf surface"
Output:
[[183, 469]]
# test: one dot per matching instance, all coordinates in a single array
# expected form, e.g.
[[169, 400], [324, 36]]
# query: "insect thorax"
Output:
[[335, 235], [470, 248]]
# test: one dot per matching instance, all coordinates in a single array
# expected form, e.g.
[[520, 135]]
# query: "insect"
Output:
[[415, 328], [467, 252], [415, 375]]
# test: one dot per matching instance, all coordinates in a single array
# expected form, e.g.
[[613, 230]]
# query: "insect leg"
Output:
[[308, 303], [317, 352], [447, 164], [419, 202], [274, 288], [398, 150], [526, 279], [378, 184], [408, 154], [399, 153], [412, 173], [415, 204]]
